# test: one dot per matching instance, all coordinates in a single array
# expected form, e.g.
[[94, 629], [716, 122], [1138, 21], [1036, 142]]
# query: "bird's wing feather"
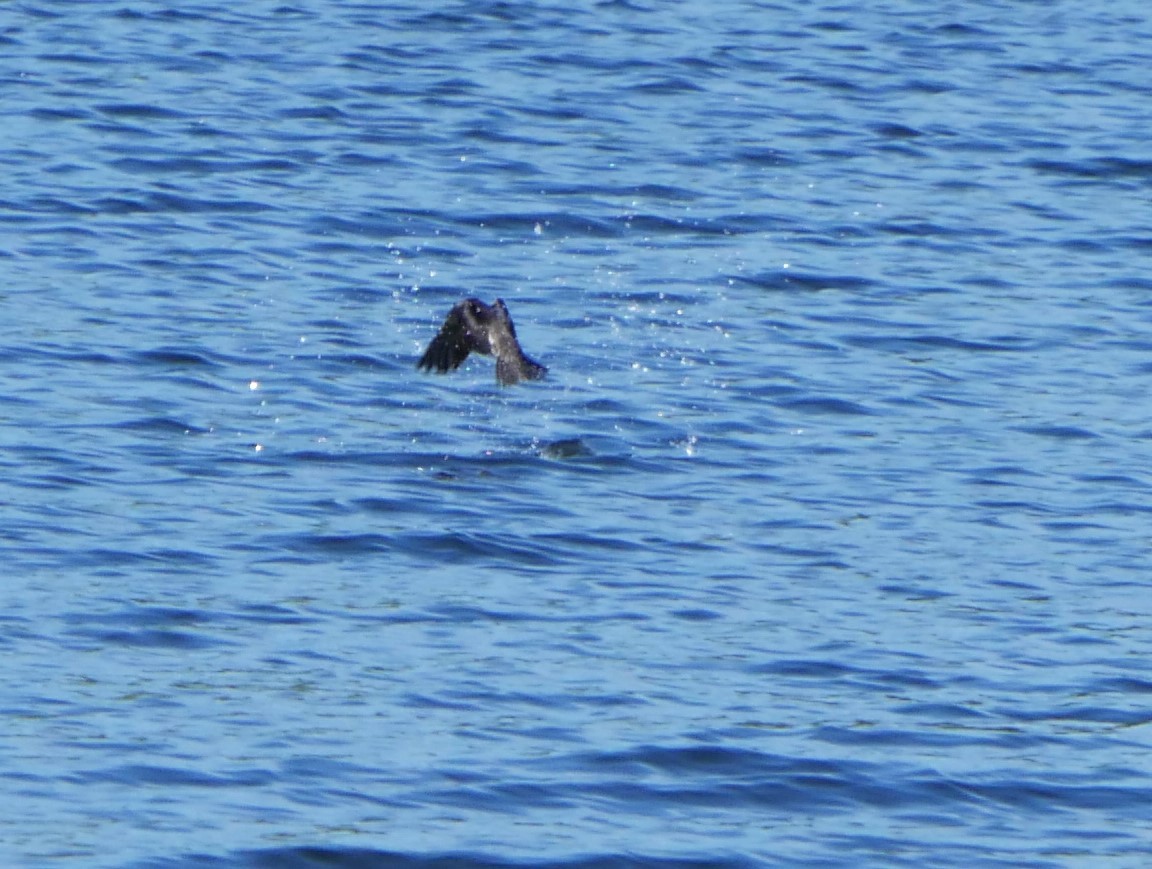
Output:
[[451, 345]]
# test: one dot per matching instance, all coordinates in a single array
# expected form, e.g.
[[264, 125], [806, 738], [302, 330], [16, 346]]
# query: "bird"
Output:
[[472, 325]]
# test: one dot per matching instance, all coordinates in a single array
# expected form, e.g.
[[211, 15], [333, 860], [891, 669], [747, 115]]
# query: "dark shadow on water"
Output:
[[366, 858]]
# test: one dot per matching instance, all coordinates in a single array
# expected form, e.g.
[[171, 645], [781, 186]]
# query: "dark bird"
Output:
[[471, 326]]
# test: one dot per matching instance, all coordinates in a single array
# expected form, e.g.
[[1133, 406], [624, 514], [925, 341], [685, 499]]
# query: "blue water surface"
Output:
[[825, 542]]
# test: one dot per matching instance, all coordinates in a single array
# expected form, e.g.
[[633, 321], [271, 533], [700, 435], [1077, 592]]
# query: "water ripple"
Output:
[[824, 541]]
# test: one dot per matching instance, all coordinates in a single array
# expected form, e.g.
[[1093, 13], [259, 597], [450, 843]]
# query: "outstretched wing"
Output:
[[453, 343]]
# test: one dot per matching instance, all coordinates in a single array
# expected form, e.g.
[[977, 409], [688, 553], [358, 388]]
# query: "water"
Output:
[[825, 541]]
